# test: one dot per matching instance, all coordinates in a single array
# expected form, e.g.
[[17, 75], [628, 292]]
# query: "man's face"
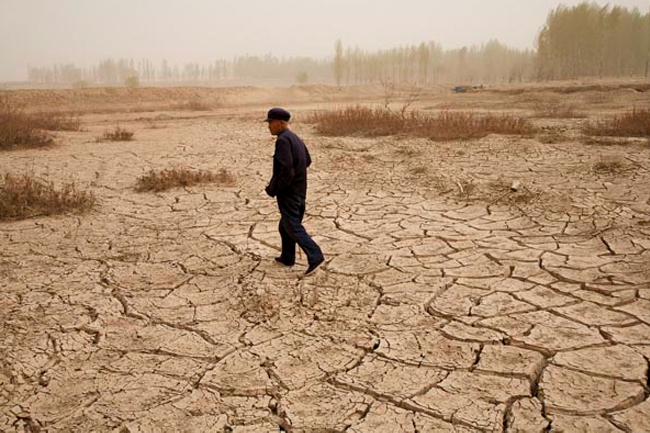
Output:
[[275, 126]]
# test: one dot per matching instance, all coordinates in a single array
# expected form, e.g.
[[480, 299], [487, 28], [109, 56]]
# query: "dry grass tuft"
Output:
[[447, 125], [635, 123], [18, 129], [607, 141], [56, 121], [609, 165], [192, 105], [162, 180], [25, 196], [118, 134], [557, 110]]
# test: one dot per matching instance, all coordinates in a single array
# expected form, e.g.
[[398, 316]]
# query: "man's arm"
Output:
[[283, 159], [307, 157]]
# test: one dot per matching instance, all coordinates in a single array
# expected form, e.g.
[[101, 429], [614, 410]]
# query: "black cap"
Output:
[[278, 114]]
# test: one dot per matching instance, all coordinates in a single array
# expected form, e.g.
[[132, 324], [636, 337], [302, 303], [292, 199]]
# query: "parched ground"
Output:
[[449, 302]]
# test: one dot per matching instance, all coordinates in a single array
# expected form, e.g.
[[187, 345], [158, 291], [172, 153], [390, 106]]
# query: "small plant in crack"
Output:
[[609, 165], [256, 302]]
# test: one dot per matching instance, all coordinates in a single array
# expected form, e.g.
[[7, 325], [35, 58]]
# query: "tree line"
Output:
[[579, 41], [429, 63], [590, 40]]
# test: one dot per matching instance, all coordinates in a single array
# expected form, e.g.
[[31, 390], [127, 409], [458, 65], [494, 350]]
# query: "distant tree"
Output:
[[339, 62], [81, 84], [132, 82], [589, 40], [302, 77]]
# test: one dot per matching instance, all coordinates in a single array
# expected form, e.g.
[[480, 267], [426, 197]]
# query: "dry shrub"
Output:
[[594, 98], [57, 121], [447, 125], [118, 134], [551, 137], [635, 123], [192, 105], [606, 141], [609, 165], [556, 110], [24, 196], [162, 180], [18, 129]]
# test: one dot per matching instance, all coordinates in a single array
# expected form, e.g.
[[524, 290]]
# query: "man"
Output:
[[289, 185]]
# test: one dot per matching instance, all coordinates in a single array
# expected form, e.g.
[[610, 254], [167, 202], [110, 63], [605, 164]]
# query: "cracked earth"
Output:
[[448, 302]]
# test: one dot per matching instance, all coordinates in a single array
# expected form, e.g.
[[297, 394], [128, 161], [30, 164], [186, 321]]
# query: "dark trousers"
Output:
[[292, 232]]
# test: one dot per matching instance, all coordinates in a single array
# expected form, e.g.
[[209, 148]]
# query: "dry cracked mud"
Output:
[[447, 303]]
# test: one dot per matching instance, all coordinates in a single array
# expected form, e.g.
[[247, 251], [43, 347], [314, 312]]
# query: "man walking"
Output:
[[289, 185]]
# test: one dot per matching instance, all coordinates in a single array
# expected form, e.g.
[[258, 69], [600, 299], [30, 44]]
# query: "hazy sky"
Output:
[[43, 32]]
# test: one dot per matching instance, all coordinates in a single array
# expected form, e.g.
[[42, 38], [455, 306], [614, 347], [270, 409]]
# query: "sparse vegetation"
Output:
[[557, 110], [24, 196], [21, 129], [55, 121], [448, 125], [607, 141], [609, 165], [635, 123], [18, 129], [162, 180], [193, 105], [118, 134]]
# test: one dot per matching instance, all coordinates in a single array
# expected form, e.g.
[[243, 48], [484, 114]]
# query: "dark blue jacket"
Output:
[[290, 163]]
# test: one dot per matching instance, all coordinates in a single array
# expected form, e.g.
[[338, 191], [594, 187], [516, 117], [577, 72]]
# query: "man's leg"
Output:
[[293, 209], [288, 256]]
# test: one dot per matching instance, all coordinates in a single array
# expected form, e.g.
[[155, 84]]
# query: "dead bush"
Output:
[[162, 180], [606, 141], [57, 121], [118, 134], [635, 123], [447, 125], [24, 196], [594, 98], [18, 129], [192, 105], [551, 137], [609, 165], [557, 110]]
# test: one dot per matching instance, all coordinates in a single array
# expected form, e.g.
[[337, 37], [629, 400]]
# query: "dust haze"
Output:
[[479, 186], [80, 35]]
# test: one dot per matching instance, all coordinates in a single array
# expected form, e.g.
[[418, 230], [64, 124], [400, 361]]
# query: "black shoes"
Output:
[[280, 260], [312, 266]]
